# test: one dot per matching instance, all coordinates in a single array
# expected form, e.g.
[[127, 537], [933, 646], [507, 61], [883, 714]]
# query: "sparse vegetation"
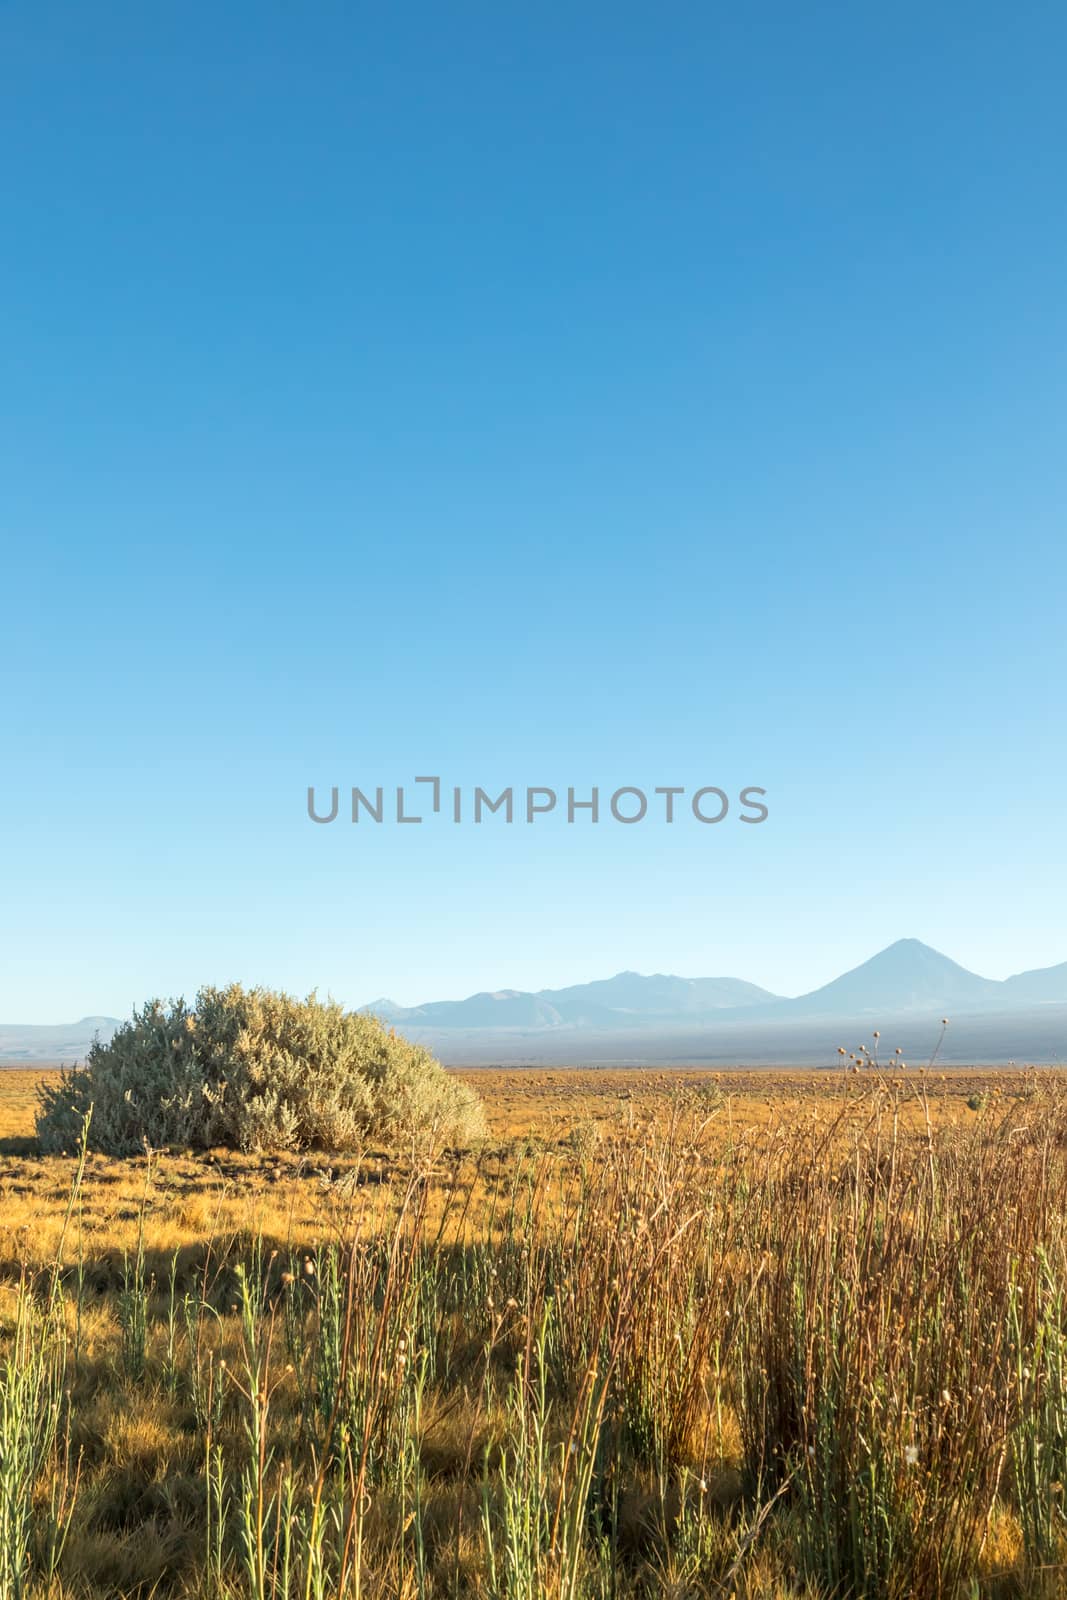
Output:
[[251, 1069], [714, 1350]]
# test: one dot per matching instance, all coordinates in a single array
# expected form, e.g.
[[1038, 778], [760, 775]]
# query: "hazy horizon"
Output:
[[858, 962]]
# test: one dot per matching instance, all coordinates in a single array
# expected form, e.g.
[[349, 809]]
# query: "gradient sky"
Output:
[[559, 394]]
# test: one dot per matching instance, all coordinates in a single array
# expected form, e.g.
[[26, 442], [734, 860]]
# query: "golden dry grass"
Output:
[[190, 1197], [547, 1103], [571, 1153]]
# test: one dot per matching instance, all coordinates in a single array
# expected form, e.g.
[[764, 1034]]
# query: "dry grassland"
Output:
[[667, 1333]]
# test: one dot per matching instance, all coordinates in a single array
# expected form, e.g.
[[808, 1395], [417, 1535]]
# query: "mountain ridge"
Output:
[[908, 977], [624, 999], [663, 1016]]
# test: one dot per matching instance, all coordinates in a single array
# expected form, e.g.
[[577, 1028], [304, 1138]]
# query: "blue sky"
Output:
[[556, 395]]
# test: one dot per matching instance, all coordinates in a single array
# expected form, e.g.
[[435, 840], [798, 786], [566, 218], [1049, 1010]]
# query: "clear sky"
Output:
[[614, 394]]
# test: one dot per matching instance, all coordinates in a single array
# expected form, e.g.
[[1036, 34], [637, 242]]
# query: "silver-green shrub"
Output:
[[252, 1069]]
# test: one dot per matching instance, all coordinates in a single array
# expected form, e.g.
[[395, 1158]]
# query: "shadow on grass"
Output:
[[21, 1144]]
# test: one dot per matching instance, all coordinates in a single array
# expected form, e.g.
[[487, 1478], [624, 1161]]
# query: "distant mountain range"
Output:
[[906, 978], [627, 1000], [59, 1041], [904, 991]]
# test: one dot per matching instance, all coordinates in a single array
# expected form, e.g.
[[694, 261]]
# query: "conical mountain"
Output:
[[907, 976]]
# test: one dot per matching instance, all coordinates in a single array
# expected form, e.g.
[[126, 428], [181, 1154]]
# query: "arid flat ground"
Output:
[[548, 1103], [183, 1197], [632, 1263]]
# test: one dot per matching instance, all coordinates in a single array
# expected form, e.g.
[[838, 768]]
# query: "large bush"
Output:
[[252, 1069]]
